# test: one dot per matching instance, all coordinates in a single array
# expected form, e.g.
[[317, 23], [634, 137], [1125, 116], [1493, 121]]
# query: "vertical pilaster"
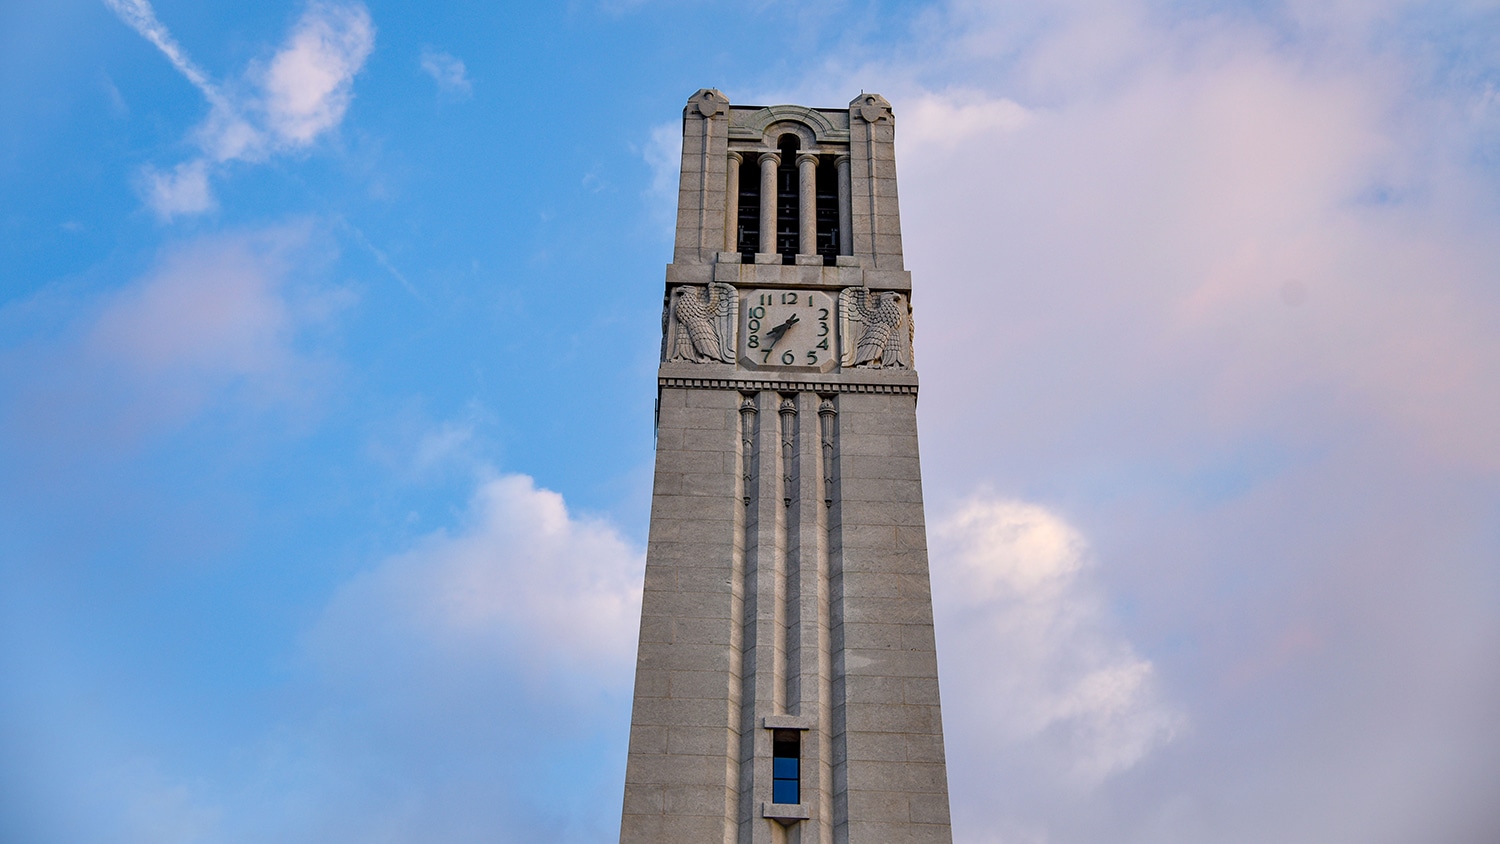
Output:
[[700, 193], [817, 490], [876, 217]]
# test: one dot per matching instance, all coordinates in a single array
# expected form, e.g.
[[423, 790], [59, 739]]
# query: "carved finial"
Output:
[[789, 406], [871, 107], [826, 408], [709, 102]]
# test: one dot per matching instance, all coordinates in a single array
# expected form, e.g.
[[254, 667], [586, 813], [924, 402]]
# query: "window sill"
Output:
[[785, 814]]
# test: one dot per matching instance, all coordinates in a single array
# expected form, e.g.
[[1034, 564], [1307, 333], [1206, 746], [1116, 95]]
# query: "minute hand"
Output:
[[775, 334]]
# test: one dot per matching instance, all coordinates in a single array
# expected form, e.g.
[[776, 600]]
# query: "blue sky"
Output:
[[327, 347]]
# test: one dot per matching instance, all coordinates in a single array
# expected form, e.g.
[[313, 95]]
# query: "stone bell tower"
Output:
[[786, 684]]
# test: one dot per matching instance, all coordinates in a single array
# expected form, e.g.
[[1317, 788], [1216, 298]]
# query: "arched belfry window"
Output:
[[805, 214]]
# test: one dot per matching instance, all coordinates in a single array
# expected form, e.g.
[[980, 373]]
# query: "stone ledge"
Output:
[[786, 722], [784, 386], [785, 814], [840, 378]]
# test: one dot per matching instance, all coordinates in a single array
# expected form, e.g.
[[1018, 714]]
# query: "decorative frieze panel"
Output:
[[821, 387]]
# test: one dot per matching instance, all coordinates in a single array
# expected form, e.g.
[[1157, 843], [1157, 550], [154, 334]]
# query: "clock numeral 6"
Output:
[[788, 358]]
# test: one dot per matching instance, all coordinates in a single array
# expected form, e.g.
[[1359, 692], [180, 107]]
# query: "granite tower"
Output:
[[786, 683]]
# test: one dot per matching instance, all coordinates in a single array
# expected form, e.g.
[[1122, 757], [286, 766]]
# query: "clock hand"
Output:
[[775, 334]]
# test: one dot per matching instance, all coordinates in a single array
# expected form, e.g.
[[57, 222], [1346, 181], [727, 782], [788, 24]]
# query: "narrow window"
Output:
[[749, 222], [786, 766], [828, 210], [788, 201]]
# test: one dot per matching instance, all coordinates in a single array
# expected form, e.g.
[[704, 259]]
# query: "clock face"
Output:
[[788, 329]]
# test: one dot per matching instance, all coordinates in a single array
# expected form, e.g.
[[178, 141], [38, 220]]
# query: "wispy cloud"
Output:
[[142, 18], [219, 318], [300, 94], [447, 71]]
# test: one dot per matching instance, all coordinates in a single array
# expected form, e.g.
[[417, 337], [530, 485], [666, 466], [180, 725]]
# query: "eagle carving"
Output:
[[700, 324], [876, 330]]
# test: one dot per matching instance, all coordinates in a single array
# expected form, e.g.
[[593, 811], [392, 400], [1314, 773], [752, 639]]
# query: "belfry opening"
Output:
[[791, 192]]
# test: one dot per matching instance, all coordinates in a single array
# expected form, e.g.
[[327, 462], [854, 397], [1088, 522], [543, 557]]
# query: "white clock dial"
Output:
[[788, 329]]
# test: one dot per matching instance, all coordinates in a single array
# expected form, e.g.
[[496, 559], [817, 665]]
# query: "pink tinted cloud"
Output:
[[1225, 298], [220, 319]]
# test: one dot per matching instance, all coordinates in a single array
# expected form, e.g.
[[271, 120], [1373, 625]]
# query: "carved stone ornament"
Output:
[[872, 107], [875, 329], [700, 324], [710, 102]]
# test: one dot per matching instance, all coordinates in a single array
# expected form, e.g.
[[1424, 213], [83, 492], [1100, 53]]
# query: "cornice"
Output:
[[756, 385]]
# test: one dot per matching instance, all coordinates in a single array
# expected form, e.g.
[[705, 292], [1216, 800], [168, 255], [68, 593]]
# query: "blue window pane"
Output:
[[785, 791], [783, 768]]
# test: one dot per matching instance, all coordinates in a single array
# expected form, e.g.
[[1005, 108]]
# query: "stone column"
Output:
[[846, 210], [732, 202], [769, 161], [807, 176]]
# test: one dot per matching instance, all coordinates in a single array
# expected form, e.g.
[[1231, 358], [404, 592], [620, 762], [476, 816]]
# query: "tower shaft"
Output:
[[786, 681]]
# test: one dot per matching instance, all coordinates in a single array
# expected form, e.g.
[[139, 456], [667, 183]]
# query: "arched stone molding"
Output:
[[767, 124], [774, 132]]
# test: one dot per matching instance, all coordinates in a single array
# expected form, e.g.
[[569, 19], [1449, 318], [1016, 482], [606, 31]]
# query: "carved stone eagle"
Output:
[[700, 324], [876, 329]]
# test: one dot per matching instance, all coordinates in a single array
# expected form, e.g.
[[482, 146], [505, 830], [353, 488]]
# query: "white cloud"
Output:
[[300, 94], [447, 71], [307, 85], [472, 683], [184, 190], [940, 121], [1031, 669], [524, 580]]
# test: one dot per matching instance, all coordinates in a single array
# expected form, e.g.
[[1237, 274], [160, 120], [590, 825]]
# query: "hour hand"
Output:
[[775, 334]]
